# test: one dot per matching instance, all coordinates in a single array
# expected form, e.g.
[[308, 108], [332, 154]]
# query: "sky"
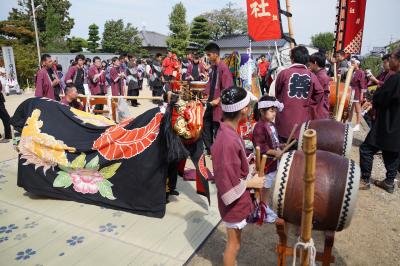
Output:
[[309, 16]]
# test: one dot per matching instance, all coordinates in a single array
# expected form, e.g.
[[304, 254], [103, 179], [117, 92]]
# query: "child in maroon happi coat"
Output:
[[231, 169], [265, 135]]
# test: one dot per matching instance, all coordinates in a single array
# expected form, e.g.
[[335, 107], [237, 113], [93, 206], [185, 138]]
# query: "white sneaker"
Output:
[[356, 128], [271, 216]]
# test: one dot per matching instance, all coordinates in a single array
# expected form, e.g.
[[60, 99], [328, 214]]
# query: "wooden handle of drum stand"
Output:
[[309, 149], [343, 99], [261, 173], [258, 158], [335, 110], [258, 162]]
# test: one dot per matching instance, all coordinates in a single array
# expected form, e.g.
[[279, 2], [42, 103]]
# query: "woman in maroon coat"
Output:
[[76, 74], [358, 85], [117, 76], [231, 170], [196, 70], [317, 66]]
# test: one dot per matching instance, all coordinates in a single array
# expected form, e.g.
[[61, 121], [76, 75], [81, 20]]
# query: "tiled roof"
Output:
[[242, 40], [153, 39]]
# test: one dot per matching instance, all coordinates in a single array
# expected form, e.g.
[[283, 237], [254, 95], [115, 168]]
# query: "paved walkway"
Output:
[[41, 231]]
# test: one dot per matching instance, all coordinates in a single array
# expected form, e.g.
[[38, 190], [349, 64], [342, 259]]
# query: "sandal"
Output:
[[364, 185], [384, 185]]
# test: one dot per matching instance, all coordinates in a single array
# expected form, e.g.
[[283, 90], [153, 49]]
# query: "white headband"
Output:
[[268, 104], [230, 108]]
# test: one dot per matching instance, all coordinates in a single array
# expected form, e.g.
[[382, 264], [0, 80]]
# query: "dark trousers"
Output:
[[134, 92], [99, 106], [5, 118], [209, 130], [196, 151], [390, 160], [264, 85], [172, 175], [157, 91]]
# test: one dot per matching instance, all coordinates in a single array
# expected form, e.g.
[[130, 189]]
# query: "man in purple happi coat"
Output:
[[44, 87], [220, 79], [300, 92]]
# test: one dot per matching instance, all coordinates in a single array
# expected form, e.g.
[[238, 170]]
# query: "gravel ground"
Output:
[[373, 238]]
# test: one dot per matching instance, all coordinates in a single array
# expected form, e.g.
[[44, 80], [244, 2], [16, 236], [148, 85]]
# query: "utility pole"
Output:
[[36, 31]]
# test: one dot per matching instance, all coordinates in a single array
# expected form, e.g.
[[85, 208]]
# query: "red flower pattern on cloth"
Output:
[[120, 143]]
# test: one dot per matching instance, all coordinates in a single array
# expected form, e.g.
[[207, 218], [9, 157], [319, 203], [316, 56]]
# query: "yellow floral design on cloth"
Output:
[[40, 148], [97, 120]]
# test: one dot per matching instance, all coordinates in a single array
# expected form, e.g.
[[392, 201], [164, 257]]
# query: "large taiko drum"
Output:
[[336, 187], [332, 136], [332, 98]]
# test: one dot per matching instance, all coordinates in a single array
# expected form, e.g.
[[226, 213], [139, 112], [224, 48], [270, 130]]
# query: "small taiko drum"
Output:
[[332, 136], [332, 98], [336, 187], [197, 88]]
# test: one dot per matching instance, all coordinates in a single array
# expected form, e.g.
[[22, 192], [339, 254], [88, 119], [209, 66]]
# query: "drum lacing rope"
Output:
[[306, 246]]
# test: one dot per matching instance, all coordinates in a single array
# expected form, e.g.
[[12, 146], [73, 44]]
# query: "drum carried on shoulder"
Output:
[[334, 99]]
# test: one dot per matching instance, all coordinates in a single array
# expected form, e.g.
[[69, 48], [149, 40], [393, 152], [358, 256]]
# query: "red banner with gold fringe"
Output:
[[350, 25]]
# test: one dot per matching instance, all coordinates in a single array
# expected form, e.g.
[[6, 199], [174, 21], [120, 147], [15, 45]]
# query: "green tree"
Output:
[[393, 46], [55, 41], [200, 32], [61, 7], [178, 40], [20, 31], [226, 21], [25, 59], [25, 62], [372, 62], [323, 40], [76, 44], [118, 38], [93, 38]]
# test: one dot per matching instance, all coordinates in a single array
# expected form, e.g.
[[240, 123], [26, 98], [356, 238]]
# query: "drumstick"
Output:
[[292, 133], [261, 173], [262, 166], [258, 158], [289, 146]]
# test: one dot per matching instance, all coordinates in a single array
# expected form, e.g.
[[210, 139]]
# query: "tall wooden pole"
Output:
[[334, 72], [309, 149], [339, 77], [290, 26], [349, 76]]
